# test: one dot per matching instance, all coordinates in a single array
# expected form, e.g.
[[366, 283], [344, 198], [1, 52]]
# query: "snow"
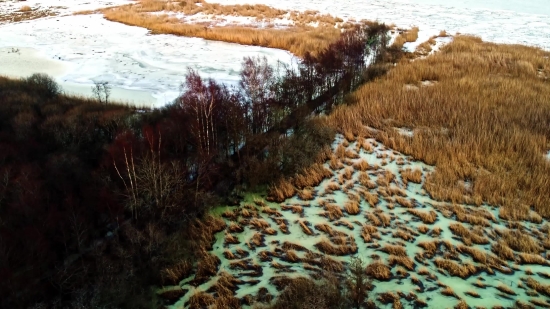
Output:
[[500, 21], [143, 69], [61, 7], [381, 160]]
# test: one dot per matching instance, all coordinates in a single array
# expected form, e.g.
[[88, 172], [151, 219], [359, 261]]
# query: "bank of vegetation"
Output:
[[309, 32], [479, 112], [100, 202]]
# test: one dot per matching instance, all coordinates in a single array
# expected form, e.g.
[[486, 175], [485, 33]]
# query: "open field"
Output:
[[478, 111], [265, 244], [297, 32]]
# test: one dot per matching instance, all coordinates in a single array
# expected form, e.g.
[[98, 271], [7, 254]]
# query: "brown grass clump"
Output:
[[281, 190], [448, 291], [423, 271], [371, 198], [234, 228], [478, 255], [368, 232], [473, 294], [423, 229], [406, 236], [365, 181], [230, 239], [207, 265], [305, 228], [311, 176], [527, 258], [411, 175], [461, 305], [201, 300], [384, 218], [436, 231], [349, 247], [335, 164], [259, 224], [483, 88], [352, 208], [537, 286], [401, 260], [296, 209], [25, 8], [379, 271], [332, 186], [467, 236], [394, 250], [176, 272], [361, 165], [404, 202], [333, 212], [454, 269], [501, 249], [306, 194], [520, 241], [373, 219], [429, 246], [426, 217], [506, 289]]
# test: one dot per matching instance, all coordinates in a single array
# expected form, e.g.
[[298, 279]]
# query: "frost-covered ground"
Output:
[[428, 245], [502, 21], [143, 69]]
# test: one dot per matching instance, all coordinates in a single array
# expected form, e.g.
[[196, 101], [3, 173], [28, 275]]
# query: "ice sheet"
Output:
[[88, 48], [501, 21]]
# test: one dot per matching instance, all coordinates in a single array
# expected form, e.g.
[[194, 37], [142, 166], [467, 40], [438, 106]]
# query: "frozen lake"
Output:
[[148, 69], [502, 21]]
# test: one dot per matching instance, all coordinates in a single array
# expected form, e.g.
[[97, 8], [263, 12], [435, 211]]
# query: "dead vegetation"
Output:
[[467, 236], [497, 104], [410, 175], [454, 269], [299, 38], [426, 217], [379, 271]]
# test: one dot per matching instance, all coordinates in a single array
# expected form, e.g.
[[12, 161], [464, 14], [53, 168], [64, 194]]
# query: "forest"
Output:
[[98, 200]]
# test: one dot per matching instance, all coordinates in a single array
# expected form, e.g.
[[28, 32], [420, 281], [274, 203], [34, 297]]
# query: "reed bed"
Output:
[[463, 270], [485, 121], [379, 271], [426, 217], [299, 39]]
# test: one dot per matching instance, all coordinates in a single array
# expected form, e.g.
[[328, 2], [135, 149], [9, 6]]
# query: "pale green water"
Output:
[[431, 292]]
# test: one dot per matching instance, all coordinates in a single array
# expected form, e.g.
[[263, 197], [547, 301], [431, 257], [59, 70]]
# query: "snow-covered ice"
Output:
[[148, 69], [82, 49], [502, 21], [61, 7]]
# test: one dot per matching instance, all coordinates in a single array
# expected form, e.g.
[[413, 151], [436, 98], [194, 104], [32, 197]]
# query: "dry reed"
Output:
[[490, 102]]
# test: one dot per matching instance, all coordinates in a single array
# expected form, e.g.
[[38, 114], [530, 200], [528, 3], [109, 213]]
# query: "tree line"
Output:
[[95, 198]]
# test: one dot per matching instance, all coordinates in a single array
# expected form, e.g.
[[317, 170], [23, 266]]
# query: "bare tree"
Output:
[[102, 91], [357, 282], [257, 78]]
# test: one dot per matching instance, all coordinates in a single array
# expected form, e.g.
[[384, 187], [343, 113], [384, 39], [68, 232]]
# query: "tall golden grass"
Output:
[[485, 121], [298, 39]]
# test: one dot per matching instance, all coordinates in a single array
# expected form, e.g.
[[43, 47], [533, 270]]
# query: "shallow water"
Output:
[[381, 160]]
